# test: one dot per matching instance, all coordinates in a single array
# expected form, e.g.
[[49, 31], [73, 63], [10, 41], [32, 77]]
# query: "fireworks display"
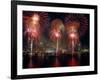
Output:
[[55, 33], [47, 34], [34, 24], [76, 26], [72, 34]]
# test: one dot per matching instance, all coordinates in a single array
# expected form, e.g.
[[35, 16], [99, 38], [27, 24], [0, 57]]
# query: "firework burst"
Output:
[[35, 22], [55, 33], [79, 18], [56, 27]]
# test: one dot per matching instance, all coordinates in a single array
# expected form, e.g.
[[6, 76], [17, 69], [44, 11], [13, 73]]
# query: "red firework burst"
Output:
[[54, 35], [72, 34], [55, 32], [79, 18], [34, 23]]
